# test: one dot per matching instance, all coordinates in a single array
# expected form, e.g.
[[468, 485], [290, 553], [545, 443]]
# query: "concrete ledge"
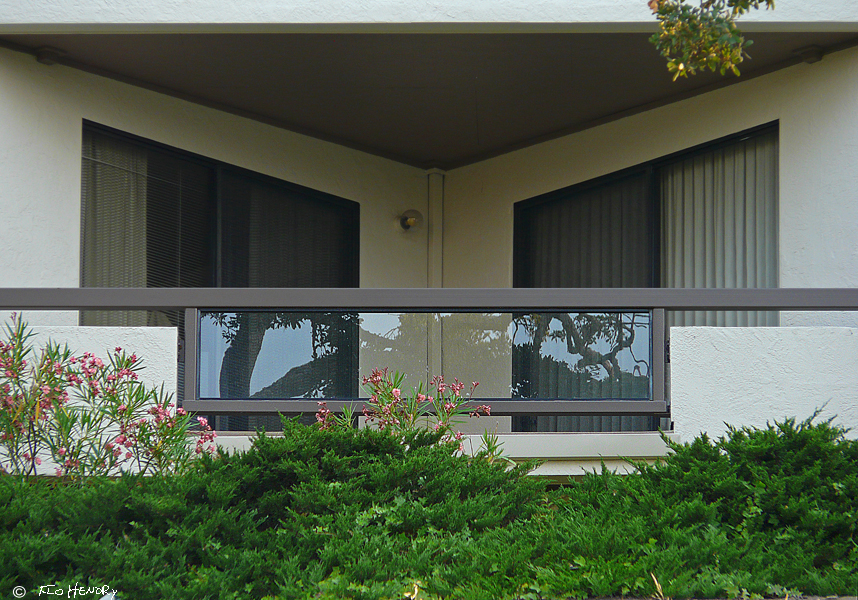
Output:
[[564, 454], [552, 446]]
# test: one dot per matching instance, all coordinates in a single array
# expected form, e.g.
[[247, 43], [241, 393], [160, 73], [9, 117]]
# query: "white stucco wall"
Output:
[[817, 108], [42, 109], [751, 376], [155, 346], [290, 15]]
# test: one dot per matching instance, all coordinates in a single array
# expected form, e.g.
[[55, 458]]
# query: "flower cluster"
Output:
[[324, 417], [86, 415], [441, 407], [207, 436]]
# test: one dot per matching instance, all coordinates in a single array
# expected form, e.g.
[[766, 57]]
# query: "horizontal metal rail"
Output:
[[426, 299], [499, 406]]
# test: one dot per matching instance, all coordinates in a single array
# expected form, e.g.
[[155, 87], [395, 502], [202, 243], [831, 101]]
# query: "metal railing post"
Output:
[[658, 337], [192, 340]]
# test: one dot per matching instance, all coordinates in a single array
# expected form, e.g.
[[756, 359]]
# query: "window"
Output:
[[706, 218], [153, 216]]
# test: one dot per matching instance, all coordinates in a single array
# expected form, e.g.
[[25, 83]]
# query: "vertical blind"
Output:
[[145, 223], [720, 225], [598, 236], [113, 214]]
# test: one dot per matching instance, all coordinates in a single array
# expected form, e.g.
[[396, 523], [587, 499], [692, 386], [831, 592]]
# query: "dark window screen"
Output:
[[599, 236], [273, 236]]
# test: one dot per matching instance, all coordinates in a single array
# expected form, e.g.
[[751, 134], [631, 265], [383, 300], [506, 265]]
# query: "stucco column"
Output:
[[434, 260], [435, 229]]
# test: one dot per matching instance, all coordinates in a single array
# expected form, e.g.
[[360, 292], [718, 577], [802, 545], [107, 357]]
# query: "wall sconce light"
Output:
[[410, 219]]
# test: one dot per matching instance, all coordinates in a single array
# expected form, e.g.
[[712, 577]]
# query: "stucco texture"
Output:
[[270, 15], [751, 376], [155, 346]]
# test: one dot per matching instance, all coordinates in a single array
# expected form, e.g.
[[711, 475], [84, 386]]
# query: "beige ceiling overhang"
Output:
[[425, 99]]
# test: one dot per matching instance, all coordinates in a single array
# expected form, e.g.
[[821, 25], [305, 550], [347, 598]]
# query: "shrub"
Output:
[[346, 513], [86, 415], [312, 510], [759, 511]]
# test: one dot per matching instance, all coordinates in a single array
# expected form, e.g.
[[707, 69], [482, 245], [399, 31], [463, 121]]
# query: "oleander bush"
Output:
[[343, 513], [80, 416]]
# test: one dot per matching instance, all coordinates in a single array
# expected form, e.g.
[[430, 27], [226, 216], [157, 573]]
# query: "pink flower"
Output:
[[127, 455], [396, 393], [203, 421], [482, 408], [62, 451], [122, 408], [37, 460]]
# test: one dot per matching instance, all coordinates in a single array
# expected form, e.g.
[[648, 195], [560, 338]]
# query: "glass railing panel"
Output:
[[398, 342], [283, 355], [272, 355], [477, 347], [581, 355]]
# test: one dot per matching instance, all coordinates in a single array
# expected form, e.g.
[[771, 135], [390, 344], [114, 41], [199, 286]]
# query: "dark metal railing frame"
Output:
[[656, 300]]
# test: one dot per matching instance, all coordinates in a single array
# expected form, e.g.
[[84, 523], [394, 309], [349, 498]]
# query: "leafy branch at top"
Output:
[[696, 38]]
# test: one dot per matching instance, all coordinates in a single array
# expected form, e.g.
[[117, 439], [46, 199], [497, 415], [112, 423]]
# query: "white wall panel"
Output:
[[754, 375], [155, 346]]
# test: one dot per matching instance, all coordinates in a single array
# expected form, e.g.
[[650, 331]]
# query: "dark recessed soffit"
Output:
[[429, 100]]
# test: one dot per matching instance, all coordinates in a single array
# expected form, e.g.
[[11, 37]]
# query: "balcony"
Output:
[[560, 367]]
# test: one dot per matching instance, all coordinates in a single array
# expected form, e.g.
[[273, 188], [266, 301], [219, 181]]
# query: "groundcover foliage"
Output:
[[358, 514]]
